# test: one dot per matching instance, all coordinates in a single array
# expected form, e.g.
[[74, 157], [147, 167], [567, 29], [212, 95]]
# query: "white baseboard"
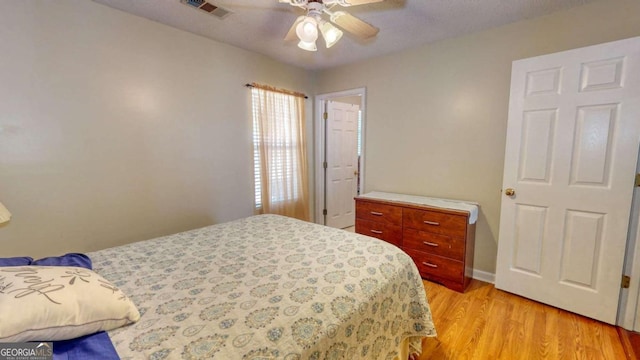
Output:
[[484, 276]]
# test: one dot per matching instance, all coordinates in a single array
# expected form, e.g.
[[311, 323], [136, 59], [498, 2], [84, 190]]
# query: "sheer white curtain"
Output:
[[280, 159]]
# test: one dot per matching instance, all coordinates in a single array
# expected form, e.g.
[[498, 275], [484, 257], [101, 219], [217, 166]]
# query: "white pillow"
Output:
[[48, 303]]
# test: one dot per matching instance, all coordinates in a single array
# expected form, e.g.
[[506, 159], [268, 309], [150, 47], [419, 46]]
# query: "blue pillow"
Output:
[[94, 346], [16, 261], [71, 259]]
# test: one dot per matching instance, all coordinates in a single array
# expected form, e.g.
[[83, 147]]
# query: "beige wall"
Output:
[[114, 128], [437, 115]]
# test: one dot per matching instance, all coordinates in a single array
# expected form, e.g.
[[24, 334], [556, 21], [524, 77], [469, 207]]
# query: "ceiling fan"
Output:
[[305, 28]]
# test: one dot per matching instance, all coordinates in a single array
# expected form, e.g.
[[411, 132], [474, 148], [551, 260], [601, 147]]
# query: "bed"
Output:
[[267, 287]]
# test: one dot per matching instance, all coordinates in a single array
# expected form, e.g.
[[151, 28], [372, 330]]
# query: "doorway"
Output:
[[328, 200]]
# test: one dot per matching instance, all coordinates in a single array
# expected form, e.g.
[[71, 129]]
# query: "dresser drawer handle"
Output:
[[432, 223], [429, 264], [376, 231], [430, 243], [376, 213]]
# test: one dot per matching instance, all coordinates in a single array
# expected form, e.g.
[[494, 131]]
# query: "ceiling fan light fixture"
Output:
[[330, 33], [307, 30], [308, 27], [308, 45]]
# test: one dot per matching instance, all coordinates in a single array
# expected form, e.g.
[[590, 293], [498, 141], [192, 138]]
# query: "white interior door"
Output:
[[572, 144], [342, 163]]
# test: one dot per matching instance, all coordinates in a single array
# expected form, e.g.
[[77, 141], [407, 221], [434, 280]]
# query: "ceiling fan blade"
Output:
[[358, 2], [354, 25], [291, 35]]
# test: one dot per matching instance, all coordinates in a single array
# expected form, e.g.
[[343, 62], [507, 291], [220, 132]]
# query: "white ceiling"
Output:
[[260, 25]]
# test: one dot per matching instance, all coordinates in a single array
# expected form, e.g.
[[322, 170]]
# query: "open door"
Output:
[[572, 145], [339, 155], [342, 163]]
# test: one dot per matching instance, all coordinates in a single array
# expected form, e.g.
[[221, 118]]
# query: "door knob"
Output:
[[509, 192]]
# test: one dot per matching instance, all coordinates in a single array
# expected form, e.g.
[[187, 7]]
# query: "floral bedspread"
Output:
[[267, 287]]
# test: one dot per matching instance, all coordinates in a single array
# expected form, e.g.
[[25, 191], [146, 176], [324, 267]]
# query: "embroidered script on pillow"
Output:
[[47, 303]]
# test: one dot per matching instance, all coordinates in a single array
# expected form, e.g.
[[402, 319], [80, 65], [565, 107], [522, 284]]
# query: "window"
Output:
[[279, 150]]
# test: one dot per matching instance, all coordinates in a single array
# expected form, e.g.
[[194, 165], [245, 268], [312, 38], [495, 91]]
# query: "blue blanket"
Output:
[[94, 346]]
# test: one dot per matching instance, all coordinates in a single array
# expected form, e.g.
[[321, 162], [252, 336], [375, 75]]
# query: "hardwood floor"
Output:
[[634, 342], [630, 342], [486, 323]]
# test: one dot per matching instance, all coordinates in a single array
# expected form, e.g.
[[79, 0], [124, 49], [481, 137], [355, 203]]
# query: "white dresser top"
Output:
[[468, 206]]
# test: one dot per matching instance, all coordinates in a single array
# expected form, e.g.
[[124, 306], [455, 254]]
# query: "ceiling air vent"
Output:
[[207, 7]]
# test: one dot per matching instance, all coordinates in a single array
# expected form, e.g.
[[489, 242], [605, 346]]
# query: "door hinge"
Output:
[[324, 165], [637, 179], [324, 211], [325, 115], [626, 281]]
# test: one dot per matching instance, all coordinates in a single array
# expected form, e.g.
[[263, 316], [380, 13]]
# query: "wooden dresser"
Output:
[[438, 234]]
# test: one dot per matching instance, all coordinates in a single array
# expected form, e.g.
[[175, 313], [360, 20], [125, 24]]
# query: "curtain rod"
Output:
[[271, 88]]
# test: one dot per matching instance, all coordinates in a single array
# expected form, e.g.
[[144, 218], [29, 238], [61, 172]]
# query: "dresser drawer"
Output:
[[437, 244], [380, 213], [437, 266], [435, 222], [440, 240], [389, 233]]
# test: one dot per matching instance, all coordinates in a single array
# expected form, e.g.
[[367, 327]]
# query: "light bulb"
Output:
[[307, 30], [331, 36], [330, 33]]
